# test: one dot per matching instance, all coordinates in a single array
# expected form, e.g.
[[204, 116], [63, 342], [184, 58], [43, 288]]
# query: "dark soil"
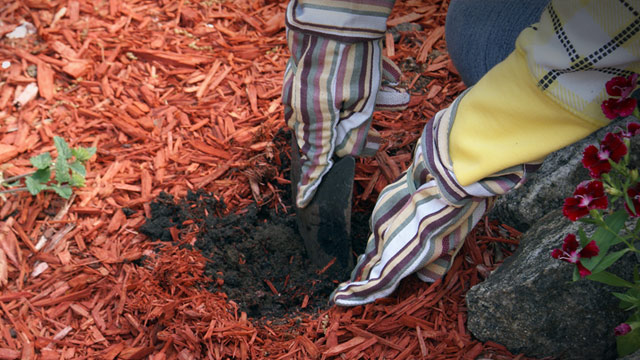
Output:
[[249, 250], [260, 246]]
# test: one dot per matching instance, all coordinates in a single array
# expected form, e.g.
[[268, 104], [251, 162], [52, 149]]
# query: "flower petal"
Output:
[[625, 107], [634, 195], [599, 203], [622, 329], [589, 156], [572, 209], [590, 250], [614, 145], [595, 188], [592, 162], [583, 270], [556, 253], [570, 243], [609, 108], [633, 128], [615, 85]]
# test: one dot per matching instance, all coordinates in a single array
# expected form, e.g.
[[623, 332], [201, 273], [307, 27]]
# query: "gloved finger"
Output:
[[363, 140], [390, 96], [391, 73], [392, 99], [359, 89], [311, 108]]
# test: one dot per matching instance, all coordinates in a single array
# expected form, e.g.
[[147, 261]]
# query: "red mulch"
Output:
[[177, 96]]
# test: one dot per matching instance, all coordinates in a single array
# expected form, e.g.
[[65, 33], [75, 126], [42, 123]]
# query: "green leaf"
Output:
[[605, 238], [83, 154], [615, 222], [610, 259], [587, 220], [64, 190], [608, 278], [630, 205], [64, 151], [33, 186], [78, 168], [42, 161], [634, 294], [62, 171], [584, 240], [628, 343], [76, 180], [636, 274], [626, 297], [42, 176]]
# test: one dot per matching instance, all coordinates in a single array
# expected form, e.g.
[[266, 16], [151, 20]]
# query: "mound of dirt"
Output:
[[257, 258]]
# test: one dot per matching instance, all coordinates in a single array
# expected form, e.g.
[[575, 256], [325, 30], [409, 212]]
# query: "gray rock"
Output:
[[530, 305], [553, 182], [634, 356]]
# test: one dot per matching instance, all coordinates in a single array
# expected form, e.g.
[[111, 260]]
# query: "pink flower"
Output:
[[570, 253], [622, 329], [588, 195], [622, 104], [634, 195], [597, 160]]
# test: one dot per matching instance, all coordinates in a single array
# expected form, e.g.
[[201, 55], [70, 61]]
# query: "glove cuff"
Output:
[[344, 21]]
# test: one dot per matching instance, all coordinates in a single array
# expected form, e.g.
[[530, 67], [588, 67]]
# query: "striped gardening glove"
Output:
[[420, 221], [330, 91]]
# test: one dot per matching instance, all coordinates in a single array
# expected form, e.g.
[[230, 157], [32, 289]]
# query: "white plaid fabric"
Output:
[[578, 46]]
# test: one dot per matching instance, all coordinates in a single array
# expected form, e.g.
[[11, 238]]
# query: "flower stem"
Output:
[[14, 190], [17, 177], [617, 235]]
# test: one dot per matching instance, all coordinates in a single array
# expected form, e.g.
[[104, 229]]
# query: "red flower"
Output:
[[622, 104], [634, 195], [613, 107], [621, 329], [622, 86], [633, 129], [597, 160], [570, 253], [588, 195]]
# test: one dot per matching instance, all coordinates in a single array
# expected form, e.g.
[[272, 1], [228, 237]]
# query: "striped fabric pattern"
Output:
[[330, 91], [341, 20], [420, 221]]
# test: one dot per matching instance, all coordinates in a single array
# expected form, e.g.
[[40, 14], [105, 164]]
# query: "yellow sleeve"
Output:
[[543, 97], [505, 120]]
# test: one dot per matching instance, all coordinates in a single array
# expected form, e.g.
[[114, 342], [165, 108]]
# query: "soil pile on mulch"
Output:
[[257, 257]]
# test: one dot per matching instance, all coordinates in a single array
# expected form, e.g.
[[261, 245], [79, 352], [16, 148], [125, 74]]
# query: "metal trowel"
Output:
[[325, 223]]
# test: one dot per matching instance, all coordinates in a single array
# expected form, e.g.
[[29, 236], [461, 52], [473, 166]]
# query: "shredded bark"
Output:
[[178, 96]]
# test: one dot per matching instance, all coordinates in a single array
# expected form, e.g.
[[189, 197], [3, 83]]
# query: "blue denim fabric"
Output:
[[482, 33]]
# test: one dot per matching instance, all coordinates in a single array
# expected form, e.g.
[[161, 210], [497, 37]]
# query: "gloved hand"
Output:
[[330, 91], [420, 221]]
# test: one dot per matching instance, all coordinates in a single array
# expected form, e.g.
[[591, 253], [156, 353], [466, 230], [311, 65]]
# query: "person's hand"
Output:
[[330, 91]]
